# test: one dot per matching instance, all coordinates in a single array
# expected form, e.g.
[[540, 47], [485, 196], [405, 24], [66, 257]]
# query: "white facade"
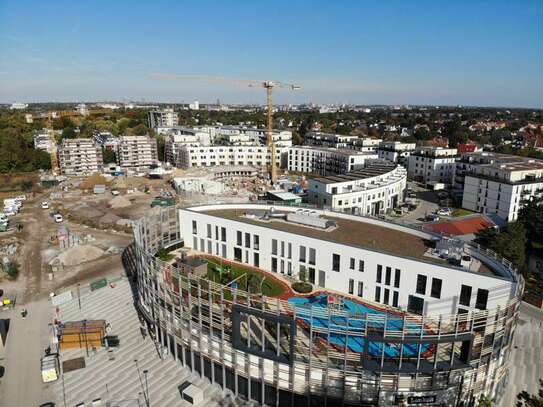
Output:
[[163, 118], [432, 164], [325, 161], [137, 152], [240, 135], [44, 141], [209, 156], [18, 106], [373, 190], [500, 186], [317, 138], [286, 252], [396, 151], [80, 156]]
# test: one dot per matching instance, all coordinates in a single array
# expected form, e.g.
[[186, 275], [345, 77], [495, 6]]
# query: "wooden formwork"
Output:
[[81, 334]]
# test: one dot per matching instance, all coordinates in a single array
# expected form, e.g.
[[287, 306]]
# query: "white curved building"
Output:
[[372, 190], [396, 316]]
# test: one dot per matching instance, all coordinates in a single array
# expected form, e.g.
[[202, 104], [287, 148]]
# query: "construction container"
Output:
[[50, 368], [82, 334]]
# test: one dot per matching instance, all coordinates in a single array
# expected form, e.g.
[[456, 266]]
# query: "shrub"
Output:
[[302, 287], [12, 270]]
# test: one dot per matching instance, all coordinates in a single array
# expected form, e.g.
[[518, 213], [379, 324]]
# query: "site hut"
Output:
[[432, 164], [283, 196], [374, 190], [396, 313], [500, 184]]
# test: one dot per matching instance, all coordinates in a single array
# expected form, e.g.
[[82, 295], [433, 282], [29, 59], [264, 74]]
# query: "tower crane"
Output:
[[268, 85]]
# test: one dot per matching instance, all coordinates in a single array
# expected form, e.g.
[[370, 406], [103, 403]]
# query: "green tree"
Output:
[[509, 243], [68, 132], [484, 401], [531, 215], [525, 399], [109, 156]]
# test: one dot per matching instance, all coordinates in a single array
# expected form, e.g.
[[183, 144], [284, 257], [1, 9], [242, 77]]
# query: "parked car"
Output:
[[10, 210], [432, 217], [444, 212], [45, 205], [58, 217]]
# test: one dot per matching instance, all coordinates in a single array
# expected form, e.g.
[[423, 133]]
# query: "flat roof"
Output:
[[360, 234], [284, 195], [335, 150], [368, 172]]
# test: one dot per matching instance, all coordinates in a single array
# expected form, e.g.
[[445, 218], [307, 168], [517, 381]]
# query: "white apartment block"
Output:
[[162, 118], [43, 141], [325, 161], [432, 165], [317, 138], [376, 189], [80, 156], [137, 152], [396, 151], [366, 144], [499, 184], [240, 135], [210, 156]]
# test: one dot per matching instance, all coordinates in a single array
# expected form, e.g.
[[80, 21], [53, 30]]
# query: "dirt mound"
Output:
[[85, 211], [108, 219], [91, 181], [119, 202], [80, 254]]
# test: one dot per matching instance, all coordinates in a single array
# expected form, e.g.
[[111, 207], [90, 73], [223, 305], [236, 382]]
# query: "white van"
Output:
[[58, 217], [10, 210]]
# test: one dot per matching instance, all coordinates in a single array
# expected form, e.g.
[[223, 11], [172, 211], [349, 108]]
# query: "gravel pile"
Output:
[[119, 202], [79, 254]]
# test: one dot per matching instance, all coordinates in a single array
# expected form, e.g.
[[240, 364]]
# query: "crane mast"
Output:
[[271, 145]]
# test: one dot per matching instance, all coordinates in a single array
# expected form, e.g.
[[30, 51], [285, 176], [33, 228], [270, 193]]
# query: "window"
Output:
[[421, 284], [274, 264], [482, 298], [395, 299], [282, 266], [352, 263], [415, 305], [335, 262], [237, 254], [247, 240], [436, 288], [256, 242], [311, 271], [312, 256], [397, 278], [274, 247], [223, 234], [239, 238], [379, 273], [361, 265], [289, 252], [216, 233], [377, 294], [194, 227], [387, 275], [465, 295], [256, 260], [209, 230], [360, 288], [302, 254], [386, 296], [282, 249], [351, 286]]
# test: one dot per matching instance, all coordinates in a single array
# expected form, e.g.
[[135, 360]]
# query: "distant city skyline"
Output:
[[423, 53]]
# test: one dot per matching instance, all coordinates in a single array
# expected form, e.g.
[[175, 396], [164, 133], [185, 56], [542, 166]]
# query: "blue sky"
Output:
[[391, 52]]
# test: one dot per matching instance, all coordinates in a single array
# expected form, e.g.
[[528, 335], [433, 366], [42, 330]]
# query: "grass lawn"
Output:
[[461, 212], [270, 287]]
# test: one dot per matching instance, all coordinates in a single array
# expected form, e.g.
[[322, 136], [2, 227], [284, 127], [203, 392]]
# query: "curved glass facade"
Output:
[[310, 351]]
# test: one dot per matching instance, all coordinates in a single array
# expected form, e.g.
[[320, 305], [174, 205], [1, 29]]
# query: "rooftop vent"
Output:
[[309, 218]]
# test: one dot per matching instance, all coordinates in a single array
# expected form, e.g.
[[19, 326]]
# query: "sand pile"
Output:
[[108, 219], [80, 254], [119, 202], [85, 211]]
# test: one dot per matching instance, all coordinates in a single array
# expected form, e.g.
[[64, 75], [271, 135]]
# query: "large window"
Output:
[[239, 238], [482, 299], [397, 278], [237, 254], [274, 247], [312, 256], [386, 297], [274, 264], [194, 227], [256, 261], [223, 234], [256, 242], [395, 299], [360, 288], [335, 262], [302, 254], [352, 263], [388, 274], [209, 230], [379, 273], [377, 294], [351, 286], [247, 240], [436, 288], [361, 265], [465, 295], [415, 305], [421, 284]]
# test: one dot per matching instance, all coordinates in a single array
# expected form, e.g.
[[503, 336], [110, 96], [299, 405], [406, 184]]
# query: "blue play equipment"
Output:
[[354, 317]]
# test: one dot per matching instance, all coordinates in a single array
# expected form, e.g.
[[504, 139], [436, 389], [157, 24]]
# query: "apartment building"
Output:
[[162, 118], [432, 165], [44, 141], [241, 135], [396, 151], [326, 161], [209, 156], [331, 140], [137, 152], [372, 190], [499, 184], [80, 156]]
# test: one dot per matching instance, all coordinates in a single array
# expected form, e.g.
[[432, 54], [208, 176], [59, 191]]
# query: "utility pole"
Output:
[[78, 295]]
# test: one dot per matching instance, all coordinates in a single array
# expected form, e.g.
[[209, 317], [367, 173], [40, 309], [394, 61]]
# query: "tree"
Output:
[[531, 215], [484, 401], [510, 243], [109, 156], [525, 399], [68, 132]]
